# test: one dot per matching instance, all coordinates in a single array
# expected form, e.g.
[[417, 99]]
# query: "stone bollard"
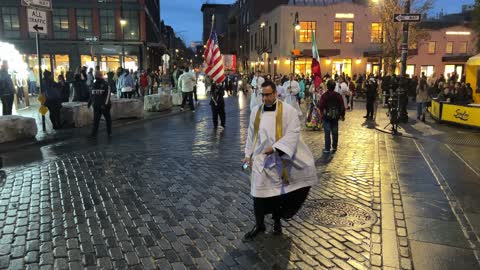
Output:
[[15, 127], [157, 103], [76, 114]]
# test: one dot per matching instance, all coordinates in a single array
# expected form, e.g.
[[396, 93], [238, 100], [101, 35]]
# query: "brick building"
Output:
[[71, 26]]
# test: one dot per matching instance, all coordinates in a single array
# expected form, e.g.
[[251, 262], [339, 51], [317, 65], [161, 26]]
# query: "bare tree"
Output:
[[392, 31]]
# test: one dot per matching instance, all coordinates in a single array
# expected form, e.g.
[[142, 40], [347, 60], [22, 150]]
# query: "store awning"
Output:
[[474, 60], [376, 53], [322, 52], [456, 58]]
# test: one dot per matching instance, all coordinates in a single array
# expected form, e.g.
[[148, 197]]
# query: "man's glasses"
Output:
[[267, 94]]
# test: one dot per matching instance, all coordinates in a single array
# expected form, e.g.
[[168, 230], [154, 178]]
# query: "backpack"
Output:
[[332, 110]]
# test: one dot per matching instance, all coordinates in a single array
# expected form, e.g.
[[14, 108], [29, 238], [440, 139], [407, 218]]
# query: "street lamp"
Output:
[[123, 22]]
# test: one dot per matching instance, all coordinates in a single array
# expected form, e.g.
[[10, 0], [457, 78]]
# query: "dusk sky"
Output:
[[186, 18]]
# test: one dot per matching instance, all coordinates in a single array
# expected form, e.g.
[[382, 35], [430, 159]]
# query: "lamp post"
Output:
[[123, 22], [402, 94], [296, 26]]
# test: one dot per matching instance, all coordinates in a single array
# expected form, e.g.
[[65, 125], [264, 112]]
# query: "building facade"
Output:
[[446, 51], [221, 12], [345, 32], [88, 33]]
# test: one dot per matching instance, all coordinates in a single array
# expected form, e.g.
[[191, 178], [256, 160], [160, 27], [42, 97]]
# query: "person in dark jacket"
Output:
[[332, 109], [100, 99], [371, 85], [217, 104], [64, 88], [111, 81], [6, 89], [53, 98], [80, 89]]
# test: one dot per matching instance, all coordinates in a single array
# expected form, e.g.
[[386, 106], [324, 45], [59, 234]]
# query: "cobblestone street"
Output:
[[170, 194]]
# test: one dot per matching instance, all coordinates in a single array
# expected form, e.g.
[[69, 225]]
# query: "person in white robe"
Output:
[[342, 89], [256, 97], [281, 92], [292, 88], [282, 166]]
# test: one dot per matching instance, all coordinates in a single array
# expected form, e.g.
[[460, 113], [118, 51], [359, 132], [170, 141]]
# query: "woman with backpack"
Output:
[[332, 109]]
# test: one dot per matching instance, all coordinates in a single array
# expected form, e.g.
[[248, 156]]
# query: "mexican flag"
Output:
[[316, 71]]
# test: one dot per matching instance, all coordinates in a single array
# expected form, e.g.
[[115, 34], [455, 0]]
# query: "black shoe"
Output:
[[277, 228], [365, 116], [334, 150], [254, 232]]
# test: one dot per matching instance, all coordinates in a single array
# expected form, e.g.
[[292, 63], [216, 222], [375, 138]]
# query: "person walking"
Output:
[[100, 99], [64, 88], [282, 166], [90, 78], [53, 99], [32, 82], [80, 89], [371, 85], [7, 89], [217, 104], [256, 97], [332, 109], [127, 83], [292, 88], [186, 82], [422, 99], [143, 84]]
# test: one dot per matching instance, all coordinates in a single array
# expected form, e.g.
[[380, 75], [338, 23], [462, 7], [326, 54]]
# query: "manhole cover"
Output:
[[338, 213]]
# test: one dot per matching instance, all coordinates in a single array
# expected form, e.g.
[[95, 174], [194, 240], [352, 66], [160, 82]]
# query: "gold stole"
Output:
[[278, 132]]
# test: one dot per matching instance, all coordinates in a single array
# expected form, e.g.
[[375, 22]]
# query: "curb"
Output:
[[399, 134]]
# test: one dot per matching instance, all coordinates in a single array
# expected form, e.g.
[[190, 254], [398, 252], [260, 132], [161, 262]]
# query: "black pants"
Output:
[[216, 112], [195, 93], [370, 106], [97, 114], [127, 94], [189, 96], [283, 206], [54, 107], [7, 104]]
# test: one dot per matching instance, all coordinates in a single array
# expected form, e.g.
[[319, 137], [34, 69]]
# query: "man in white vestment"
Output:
[[292, 88], [256, 97], [282, 166]]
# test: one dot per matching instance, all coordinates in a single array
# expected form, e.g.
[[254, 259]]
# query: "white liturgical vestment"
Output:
[[266, 175]]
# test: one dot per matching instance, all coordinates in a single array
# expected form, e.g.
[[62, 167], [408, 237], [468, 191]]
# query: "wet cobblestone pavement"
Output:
[[170, 194]]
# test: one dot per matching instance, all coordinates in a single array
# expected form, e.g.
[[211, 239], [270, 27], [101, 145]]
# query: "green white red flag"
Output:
[[316, 70]]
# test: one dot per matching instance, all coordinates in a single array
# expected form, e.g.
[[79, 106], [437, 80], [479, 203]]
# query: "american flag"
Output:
[[214, 60]]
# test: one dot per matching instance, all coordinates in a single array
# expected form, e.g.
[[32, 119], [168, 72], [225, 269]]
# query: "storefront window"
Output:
[[410, 70], [131, 62], [340, 66], [61, 64], [84, 23], [10, 22], [131, 29], [87, 61], [109, 63], [427, 70], [305, 32], [303, 66]]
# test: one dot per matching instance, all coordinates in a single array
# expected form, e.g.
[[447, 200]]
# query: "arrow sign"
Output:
[[37, 21], [38, 28], [407, 17]]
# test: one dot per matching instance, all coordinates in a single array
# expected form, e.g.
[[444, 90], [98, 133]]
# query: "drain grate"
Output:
[[463, 141], [338, 214]]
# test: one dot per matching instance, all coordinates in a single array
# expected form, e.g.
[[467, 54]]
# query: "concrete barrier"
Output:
[[76, 114], [126, 108], [157, 103], [14, 127]]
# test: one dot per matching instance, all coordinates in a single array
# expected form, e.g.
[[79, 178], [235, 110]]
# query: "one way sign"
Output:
[[407, 17], [37, 21]]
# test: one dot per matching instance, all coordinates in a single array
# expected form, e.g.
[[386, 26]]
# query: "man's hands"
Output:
[[268, 151]]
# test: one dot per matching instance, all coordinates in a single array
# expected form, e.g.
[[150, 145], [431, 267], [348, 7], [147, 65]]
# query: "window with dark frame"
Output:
[[10, 22], [131, 29], [60, 23], [349, 30], [432, 47], [84, 23], [449, 47], [376, 34], [463, 47], [305, 32], [107, 24], [337, 32]]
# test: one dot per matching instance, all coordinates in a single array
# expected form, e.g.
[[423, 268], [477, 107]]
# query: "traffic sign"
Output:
[[37, 21], [407, 17], [91, 39], [41, 4]]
